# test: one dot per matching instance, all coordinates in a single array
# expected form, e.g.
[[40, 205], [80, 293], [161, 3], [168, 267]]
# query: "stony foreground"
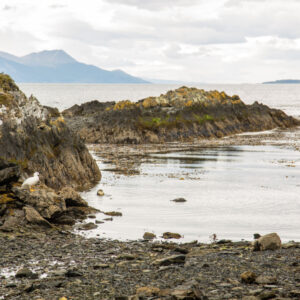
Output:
[[36, 265]]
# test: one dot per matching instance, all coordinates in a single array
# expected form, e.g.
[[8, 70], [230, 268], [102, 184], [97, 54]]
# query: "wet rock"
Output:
[[174, 259], [33, 217], [248, 277], [149, 236], [171, 235], [179, 200], [100, 192], [71, 197], [26, 273], [114, 213], [88, 226], [269, 241]]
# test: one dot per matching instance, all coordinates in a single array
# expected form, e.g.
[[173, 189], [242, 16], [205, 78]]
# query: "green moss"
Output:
[[203, 118], [7, 84]]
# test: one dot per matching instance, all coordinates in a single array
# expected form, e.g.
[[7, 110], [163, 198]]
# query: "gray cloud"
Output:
[[8, 7], [155, 4]]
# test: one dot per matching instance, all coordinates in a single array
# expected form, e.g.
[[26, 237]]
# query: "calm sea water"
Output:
[[62, 96], [231, 191]]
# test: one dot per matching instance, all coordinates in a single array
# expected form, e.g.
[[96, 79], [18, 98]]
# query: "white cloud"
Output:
[[194, 40]]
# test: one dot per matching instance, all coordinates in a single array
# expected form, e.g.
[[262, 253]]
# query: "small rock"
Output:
[[266, 279], [108, 219], [250, 298], [73, 273], [126, 256], [114, 213], [100, 266], [99, 222], [248, 277], [171, 235], [179, 200], [147, 291], [26, 273], [267, 295], [91, 216], [100, 193], [88, 226], [174, 259], [269, 241], [33, 217], [188, 291], [149, 236]]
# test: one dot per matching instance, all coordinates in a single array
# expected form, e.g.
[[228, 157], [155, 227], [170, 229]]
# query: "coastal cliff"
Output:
[[36, 138], [181, 115]]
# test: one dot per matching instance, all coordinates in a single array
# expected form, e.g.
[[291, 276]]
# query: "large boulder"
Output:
[[44, 200], [269, 241]]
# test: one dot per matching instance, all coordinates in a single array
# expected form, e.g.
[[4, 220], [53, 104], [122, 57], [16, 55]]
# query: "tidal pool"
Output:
[[230, 191]]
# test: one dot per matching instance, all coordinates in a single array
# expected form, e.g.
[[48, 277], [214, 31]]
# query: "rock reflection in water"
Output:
[[231, 191]]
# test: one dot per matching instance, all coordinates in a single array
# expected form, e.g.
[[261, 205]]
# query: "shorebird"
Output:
[[31, 181]]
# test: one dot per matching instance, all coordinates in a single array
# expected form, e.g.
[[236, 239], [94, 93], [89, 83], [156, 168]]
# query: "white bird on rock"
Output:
[[31, 181]]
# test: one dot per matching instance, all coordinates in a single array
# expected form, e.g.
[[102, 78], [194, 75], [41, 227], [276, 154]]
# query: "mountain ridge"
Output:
[[57, 66]]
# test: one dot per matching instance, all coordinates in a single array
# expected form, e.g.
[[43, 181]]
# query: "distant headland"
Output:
[[283, 81], [57, 66]]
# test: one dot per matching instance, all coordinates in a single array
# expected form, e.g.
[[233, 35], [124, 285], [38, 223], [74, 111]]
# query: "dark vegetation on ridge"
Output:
[[180, 115]]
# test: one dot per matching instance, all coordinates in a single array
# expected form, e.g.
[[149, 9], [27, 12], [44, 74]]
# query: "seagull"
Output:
[[31, 181]]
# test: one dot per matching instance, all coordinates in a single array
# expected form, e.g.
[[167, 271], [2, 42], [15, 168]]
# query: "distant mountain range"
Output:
[[56, 66], [283, 81]]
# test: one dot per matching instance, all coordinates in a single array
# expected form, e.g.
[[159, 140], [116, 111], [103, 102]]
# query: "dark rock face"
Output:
[[180, 115], [36, 138]]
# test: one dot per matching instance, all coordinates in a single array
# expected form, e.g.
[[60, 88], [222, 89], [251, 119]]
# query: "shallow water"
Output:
[[231, 191]]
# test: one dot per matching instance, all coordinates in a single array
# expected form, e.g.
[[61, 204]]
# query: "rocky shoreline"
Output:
[[61, 265], [40, 256]]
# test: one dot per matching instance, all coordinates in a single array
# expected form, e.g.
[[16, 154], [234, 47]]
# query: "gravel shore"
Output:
[[52, 265]]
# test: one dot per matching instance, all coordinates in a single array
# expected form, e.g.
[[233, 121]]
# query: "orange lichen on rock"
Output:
[[125, 104]]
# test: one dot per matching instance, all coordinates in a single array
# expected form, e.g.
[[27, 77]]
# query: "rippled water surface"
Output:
[[233, 192]]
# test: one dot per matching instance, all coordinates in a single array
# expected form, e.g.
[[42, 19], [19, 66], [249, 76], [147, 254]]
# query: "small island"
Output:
[[283, 81]]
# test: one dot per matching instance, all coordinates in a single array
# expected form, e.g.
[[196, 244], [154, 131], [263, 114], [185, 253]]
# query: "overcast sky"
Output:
[[220, 41]]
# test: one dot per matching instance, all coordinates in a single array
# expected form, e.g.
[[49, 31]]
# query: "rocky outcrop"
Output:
[[35, 138], [180, 115]]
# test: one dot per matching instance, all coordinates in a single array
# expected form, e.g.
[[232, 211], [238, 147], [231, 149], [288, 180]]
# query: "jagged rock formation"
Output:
[[36, 138], [180, 115]]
